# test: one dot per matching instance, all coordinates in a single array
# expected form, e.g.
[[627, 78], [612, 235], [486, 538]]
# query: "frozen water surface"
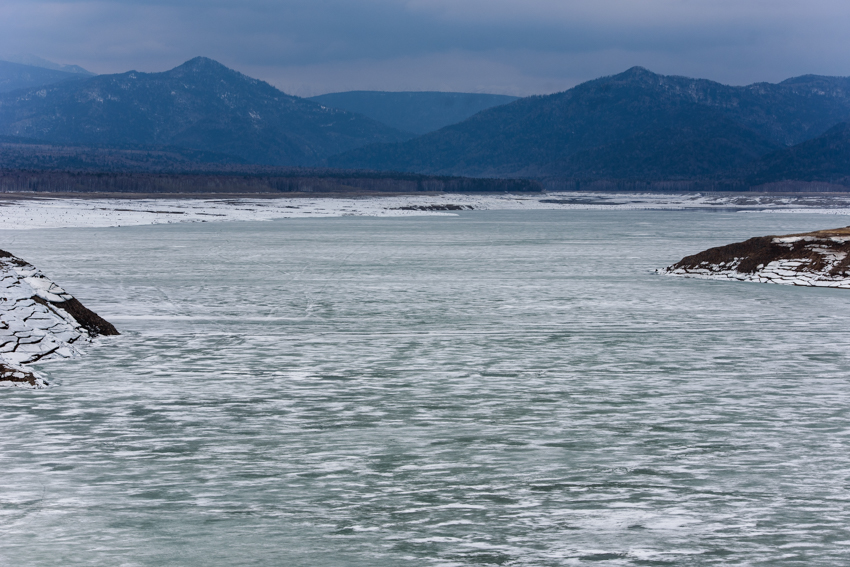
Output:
[[494, 388]]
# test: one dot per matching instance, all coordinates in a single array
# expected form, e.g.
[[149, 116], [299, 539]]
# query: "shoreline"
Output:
[[24, 211], [810, 259]]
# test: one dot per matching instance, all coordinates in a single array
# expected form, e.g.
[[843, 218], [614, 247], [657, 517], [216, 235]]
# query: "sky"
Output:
[[310, 47]]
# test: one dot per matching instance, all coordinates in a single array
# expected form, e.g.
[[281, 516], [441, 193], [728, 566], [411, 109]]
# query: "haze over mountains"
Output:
[[14, 76], [636, 125], [415, 112]]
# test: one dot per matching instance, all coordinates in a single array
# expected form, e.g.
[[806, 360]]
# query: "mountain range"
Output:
[[636, 125]]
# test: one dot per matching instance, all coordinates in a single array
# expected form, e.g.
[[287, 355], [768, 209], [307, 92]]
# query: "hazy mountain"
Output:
[[14, 76], [415, 112], [636, 124], [201, 105], [825, 158], [35, 61]]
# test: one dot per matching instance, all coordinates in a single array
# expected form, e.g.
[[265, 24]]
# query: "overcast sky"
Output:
[[308, 47]]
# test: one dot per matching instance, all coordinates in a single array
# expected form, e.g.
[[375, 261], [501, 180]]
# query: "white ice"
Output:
[[35, 212]]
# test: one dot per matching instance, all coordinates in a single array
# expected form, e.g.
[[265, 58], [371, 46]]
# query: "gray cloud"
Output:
[[511, 46]]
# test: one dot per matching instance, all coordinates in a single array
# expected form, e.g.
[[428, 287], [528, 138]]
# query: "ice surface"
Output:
[[494, 388]]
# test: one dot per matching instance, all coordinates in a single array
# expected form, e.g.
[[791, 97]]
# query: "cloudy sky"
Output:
[[308, 47]]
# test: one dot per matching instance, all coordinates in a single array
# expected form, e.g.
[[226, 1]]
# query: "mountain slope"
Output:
[[569, 133], [201, 105], [415, 112], [825, 158], [14, 76], [700, 146]]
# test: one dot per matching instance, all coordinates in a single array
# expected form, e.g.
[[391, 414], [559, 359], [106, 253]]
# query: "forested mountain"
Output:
[[633, 126], [825, 158], [200, 105], [14, 76], [415, 112], [636, 124]]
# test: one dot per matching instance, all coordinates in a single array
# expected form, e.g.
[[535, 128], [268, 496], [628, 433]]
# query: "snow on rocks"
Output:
[[39, 321], [815, 259]]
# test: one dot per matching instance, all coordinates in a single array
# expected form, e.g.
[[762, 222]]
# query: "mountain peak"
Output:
[[636, 72], [803, 79], [201, 63], [201, 105], [206, 68]]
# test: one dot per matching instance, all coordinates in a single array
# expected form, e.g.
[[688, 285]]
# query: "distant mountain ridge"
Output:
[[15, 76], [35, 61], [200, 105], [415, 112], [635, 124]]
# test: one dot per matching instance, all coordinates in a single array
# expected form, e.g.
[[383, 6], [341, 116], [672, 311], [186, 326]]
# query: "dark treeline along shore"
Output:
[[204, 125], [326, 182]]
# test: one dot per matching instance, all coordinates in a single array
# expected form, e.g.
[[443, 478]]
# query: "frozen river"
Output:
[[494, 388]]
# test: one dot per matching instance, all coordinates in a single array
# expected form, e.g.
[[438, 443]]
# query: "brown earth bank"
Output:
[[446, 207], [39, 321], [817, 259], [87, 319]]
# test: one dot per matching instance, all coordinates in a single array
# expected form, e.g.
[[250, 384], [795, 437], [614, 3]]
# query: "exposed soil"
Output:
[[448, 207], [760, 251], [17, 376], [88, 319]]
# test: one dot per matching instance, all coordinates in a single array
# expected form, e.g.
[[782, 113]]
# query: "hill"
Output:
[[636, 124], [415, 112], [14, 76], [200, 105]]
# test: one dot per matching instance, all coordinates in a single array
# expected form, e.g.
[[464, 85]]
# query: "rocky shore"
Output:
[[815, 259], [39, 321]]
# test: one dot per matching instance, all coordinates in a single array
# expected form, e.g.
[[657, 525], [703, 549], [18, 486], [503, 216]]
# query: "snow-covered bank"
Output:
[[815, 259], [39, 321], [19, 211]]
